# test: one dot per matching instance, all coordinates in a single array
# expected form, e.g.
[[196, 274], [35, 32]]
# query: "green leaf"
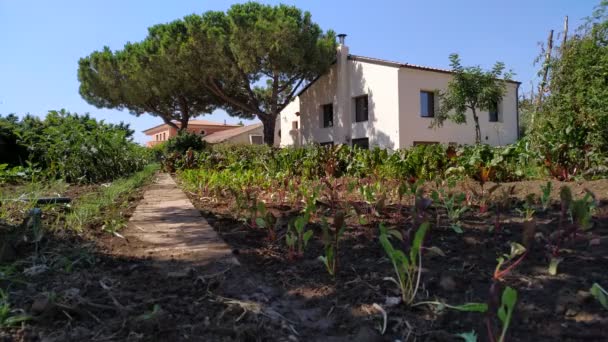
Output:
[[260, 222], [470, 307], [468, 337], [600, 294], [307, 235], [553, 265]]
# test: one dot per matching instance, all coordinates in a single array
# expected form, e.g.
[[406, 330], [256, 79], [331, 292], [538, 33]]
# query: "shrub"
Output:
[[183, 142], [78, 148]]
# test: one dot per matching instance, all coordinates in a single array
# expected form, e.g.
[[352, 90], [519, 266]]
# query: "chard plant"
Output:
[[265, 219], [454, 205], [331, 239], [507, 262], [505, 311], [576, 218], [298, 236], [407, 267]]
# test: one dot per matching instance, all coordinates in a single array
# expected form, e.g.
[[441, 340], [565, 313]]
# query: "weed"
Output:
[[8, 316], [407, 268]]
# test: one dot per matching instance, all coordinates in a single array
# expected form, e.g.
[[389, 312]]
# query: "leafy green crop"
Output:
[[406, 267]]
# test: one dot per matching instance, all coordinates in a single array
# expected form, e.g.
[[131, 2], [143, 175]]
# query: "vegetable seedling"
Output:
[[407, 267]]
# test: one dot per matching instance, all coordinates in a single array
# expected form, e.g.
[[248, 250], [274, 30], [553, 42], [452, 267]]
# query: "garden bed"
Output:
[[550, 307]]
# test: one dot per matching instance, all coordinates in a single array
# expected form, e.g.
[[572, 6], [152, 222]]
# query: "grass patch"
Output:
[[111, 199]]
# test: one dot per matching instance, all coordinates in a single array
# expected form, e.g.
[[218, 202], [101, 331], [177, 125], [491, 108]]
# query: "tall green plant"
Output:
[[407, 267]]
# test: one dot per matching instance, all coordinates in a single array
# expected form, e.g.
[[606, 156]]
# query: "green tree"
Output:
[[255, 57], [152, 76], [471, 88]]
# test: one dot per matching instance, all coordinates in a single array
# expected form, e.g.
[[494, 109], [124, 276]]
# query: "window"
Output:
[[328, 115], [493, 112], [256, 139], [418, 143], [327, 143], [361, 143], [427, 104], [361, 108], [294, 125], [164, 136]]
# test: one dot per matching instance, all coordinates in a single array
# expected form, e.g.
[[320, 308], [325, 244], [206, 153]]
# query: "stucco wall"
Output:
[[414, 128], [378, 82], [288, 115], [322, 91], [243, 138]]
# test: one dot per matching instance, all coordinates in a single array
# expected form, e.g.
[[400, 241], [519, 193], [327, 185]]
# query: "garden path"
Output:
[[166, 227]]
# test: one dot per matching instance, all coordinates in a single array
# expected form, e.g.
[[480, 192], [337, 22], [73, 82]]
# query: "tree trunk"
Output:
[[477, 128], [269, 123]]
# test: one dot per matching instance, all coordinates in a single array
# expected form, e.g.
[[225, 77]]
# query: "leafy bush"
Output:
[[183, 142], [77, 148]]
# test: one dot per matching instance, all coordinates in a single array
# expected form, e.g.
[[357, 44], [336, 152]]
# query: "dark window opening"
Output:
[[493, 112], [361, 109], [328, 115], [427, 104], [294, 125], [362, 143], [257, 139], [418, 143], [327, 143]]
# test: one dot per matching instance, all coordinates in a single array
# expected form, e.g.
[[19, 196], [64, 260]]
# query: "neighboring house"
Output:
[[163, 132], [250, 134], [371, 102]]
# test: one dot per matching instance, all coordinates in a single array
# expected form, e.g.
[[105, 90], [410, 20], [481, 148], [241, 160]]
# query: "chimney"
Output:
[[342, 102], [224, 122]]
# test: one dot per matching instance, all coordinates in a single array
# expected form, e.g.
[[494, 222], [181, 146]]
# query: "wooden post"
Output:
[[543, 83], [565, 38]]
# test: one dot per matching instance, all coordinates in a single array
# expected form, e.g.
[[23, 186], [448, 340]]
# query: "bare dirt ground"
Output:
[[99, 287]]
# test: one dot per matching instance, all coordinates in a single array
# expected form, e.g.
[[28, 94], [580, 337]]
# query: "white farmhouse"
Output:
[[371, 102]]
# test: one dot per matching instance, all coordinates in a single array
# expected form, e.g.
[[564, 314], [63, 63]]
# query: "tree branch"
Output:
[[210, 84]]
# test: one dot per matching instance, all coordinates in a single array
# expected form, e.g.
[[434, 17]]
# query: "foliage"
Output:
[[511, 260], [76, 148], [505, 311], [331, 239], [183, 142], [453, 203], [600, 294], [153, 76], [569, 129], [298, 235], [407, 267], [88, 208], [8, 317], [471, 88], [254, 57], [545, 197]]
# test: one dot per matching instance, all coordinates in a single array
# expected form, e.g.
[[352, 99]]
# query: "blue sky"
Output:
[[41, 41]]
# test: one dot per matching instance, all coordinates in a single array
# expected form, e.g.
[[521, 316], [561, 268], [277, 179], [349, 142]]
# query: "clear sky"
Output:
[[41, 41]]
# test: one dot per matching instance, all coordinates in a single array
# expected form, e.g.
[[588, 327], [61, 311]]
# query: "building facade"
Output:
[[371, 102]]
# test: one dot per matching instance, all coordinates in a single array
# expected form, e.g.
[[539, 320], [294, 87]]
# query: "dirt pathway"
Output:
[[166, 227]]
